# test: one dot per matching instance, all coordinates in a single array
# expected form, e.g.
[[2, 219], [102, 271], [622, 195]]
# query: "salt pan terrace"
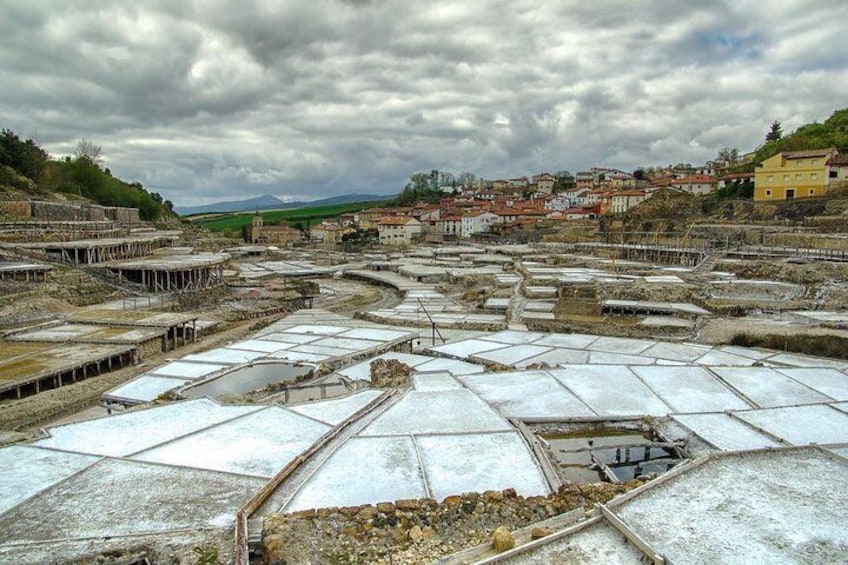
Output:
[[538, 273], [284, 269], [437, 439], [778, 506], [522, 349], [24, 271], [829, 319], [308, 337], [181, 467], [168, 273], [419, 301], [453, 431]]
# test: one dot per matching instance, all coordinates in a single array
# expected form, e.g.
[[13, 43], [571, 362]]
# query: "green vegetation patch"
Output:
[[315, 215]]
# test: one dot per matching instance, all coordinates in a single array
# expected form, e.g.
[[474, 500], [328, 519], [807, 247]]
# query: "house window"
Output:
[[813, 162], [799, 176], [770, 178], [786, 178], [832, 174], [812, 192], [814, 176], [768, 192]]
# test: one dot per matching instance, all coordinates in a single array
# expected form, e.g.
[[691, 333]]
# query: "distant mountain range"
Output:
[[268, 202]]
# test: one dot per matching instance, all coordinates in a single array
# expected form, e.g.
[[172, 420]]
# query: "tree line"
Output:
[[81, 175]]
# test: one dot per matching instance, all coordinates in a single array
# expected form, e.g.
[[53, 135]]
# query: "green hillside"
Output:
[[234, 222], [26, 170], [833, 132]]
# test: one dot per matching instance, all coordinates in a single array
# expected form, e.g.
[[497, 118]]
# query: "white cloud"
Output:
[[214, 99]]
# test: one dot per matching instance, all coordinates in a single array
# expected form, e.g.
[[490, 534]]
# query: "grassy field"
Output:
[[234, 222]]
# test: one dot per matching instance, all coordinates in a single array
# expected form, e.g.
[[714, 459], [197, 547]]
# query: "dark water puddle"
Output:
[[247, 379], [599, 454]]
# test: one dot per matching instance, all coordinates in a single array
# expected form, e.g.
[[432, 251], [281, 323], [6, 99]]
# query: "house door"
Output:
[[790, 193]]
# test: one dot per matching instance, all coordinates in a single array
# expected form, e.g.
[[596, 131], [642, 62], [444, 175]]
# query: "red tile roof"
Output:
[[838, 160], [395, 221]]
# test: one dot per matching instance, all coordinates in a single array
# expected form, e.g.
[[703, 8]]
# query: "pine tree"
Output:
[[775, 132]]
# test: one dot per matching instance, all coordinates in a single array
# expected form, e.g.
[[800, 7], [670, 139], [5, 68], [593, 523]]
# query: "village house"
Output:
[[558, 202], [398, 230], [505, 214], [696, 184], [604, 202], [367, 219], [724, 180], [349, 219], [329, 233], [544, 183], [532, 214], [449, 225], [425, 213], [586, 198], [661, 184], [280, 236], [500, 185], [613, 179], [793, 174], [591, 198], [518, 183], [579, 213], [584, 179], [837, 168], [625, 200], [477, 222]]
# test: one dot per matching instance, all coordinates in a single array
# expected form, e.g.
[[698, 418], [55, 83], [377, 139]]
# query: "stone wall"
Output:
[[57, 211], [416, 530], [149, 348], [811, 240], [68, 212], [15, 208], [122, 215], [93, 212]]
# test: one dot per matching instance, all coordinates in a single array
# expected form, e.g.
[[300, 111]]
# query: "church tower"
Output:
[[256, 227]]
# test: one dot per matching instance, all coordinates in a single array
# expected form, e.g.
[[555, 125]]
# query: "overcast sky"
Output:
[[207, 100]]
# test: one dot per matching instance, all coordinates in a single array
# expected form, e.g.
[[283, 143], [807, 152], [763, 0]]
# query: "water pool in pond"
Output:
[[246, 379]]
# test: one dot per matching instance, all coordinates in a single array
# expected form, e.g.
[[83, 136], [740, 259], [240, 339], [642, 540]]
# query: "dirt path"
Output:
[[35, 411], [345, 296]]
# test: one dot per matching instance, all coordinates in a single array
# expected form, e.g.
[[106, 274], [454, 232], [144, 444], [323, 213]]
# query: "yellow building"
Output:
[[793, 174]]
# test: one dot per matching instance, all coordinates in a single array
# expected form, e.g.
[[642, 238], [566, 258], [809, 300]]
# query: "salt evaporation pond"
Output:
[[246, 379]]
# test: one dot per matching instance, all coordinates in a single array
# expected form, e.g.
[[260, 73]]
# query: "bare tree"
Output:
[[86, 149], [728, 156]]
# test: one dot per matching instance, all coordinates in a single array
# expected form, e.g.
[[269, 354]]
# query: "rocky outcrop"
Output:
[[390, 373], [417, 530]]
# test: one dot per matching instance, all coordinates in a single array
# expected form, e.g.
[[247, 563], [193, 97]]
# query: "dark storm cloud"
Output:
[[213, 99]]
